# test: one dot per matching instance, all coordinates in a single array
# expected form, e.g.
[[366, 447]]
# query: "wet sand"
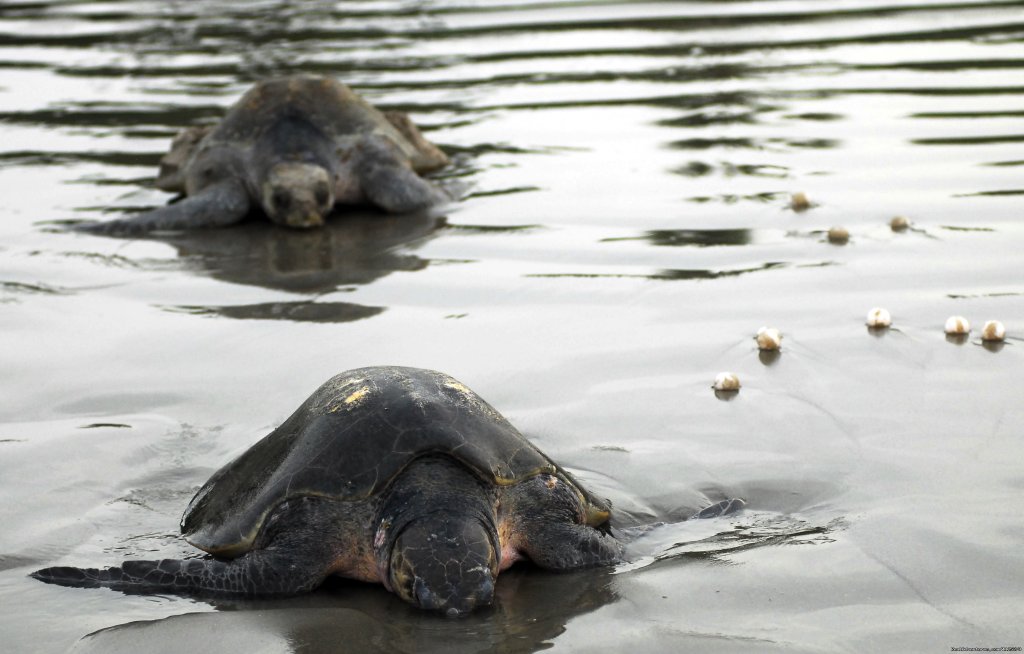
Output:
[[624, 232]]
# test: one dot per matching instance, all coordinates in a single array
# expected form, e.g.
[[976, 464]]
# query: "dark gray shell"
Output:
[[333, 109], [350, 439], [331, 116]]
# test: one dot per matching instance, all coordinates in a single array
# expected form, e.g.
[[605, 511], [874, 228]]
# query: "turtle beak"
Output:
[[481, 595], [307, 221]]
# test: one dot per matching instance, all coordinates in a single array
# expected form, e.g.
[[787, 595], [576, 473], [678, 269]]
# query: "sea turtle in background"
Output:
[[393, 475], [293, 147]]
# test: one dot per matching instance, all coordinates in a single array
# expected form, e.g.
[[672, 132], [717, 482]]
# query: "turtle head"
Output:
[[297, 194], [445, 562]]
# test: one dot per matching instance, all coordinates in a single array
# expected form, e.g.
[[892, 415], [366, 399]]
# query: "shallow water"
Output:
[[624, 231]]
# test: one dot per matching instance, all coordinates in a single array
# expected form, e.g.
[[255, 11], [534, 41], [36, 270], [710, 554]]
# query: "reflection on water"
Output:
[[365, 618], [698, 237], [531, 607], [303, 311], [10, 290], [351, 250], [603, 146], [768, 357], [672, 275]]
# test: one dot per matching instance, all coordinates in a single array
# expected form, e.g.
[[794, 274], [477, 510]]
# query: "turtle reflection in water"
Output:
[[292, 147], [392, 475]]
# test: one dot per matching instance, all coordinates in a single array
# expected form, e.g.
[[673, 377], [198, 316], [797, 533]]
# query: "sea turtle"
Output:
[[394, 475], [293, 147]]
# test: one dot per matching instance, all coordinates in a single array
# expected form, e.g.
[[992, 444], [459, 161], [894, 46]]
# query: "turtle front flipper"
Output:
[[218, 205], [171, 177], [258, 573], [389, 182], [564, 546]]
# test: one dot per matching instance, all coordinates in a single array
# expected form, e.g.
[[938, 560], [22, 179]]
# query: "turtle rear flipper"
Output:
[[260, 572], [171, 177], [427, 157], [219, 205]]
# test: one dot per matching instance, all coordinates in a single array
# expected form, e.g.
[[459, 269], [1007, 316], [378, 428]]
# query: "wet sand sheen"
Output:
[[627, 170]]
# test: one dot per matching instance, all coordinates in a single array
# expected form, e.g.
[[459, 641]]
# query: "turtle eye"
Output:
[[281, 199], [321, 194]]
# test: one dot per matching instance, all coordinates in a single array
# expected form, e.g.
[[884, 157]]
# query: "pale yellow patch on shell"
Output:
[[799, 202], [458, 387], [726, 381], [957, 325], [357, 395], [769, 338], [879, 317], [993, 331]]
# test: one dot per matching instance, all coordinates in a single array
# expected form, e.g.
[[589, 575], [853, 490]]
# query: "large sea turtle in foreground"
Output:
[[393, 475], [293, 148]]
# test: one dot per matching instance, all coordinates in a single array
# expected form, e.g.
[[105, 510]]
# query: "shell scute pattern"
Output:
[[348, 441]]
